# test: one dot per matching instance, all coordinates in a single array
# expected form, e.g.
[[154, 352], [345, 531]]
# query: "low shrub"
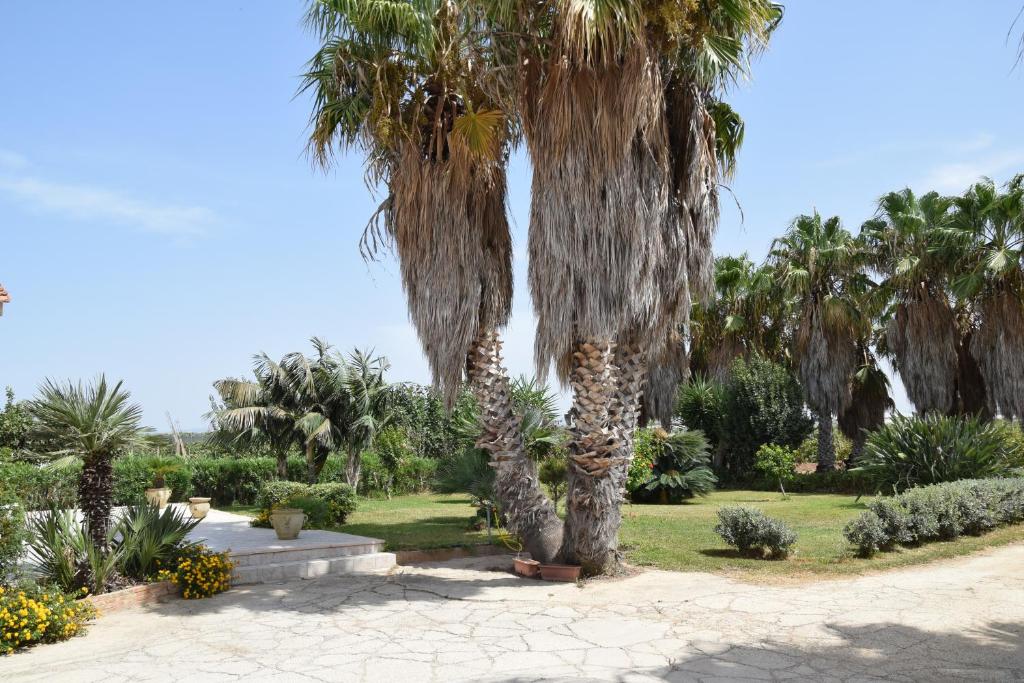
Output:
[[327, 504], [38, 487], [149, 538], [937, 512], [753, 532], [200, 572], [807, 451], [12, 536], [31, 614], [339, 498], [917, 451]]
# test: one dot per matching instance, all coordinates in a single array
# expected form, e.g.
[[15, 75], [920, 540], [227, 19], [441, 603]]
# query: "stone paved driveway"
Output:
[[959, 620]]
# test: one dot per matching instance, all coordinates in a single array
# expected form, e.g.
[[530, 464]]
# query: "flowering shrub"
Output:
[[200, 573], [35, 614]]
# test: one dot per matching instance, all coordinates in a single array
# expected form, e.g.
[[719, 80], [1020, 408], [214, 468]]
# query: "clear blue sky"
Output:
[[159, 222]]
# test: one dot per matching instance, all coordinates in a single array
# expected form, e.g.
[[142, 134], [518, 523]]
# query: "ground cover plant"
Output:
[[31, 614]]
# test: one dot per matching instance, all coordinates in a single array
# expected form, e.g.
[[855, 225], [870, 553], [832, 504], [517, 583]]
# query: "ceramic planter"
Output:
[[528, 568], [559, 572], [198, 507], [158, 497], [287, 522]]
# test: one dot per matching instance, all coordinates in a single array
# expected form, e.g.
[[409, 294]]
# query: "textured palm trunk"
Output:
[[528, 512], [95, 493], [607, 391], [311, 472], [353, 469], [282, 465], [826, 445], [858, 448]]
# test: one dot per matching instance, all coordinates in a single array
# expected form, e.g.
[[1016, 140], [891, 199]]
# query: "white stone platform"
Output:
[[260, 557]]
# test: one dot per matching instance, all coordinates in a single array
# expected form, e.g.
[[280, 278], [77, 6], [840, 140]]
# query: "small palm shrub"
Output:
[[754, 533], [200, 572], [65, 554], [680, 464], [938, 512], [700, 405], [31, 614], [916, 451]]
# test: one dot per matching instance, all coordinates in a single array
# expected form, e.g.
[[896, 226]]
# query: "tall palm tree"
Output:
[[922, 334], [615, 104], [411, 85], [95, 422], [987, 231], [818, 263], [253, 412]]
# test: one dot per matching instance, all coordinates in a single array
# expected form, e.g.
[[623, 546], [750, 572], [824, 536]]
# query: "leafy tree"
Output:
[[95, 422], [777, 462], [15, 423], [763, 404]]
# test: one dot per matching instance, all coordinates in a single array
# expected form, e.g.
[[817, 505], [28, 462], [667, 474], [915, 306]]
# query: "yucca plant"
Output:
[[64, 552], [914, 451]]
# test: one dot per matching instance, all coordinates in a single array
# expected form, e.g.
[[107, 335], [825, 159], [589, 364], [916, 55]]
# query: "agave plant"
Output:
[[64, 552]]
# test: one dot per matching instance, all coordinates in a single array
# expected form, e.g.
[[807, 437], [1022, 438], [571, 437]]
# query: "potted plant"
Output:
[[287, 522], [559, 572], [159, 494], [525, 566], [198, 506]]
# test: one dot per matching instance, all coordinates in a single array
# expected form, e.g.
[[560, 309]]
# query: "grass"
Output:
[[414, 522], [682, 537], [675, 537]]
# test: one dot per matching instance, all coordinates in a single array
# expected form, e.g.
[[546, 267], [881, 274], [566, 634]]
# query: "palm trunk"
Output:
[[282, 465], [527, 510], [311, 473], [353, 469], [95, 493], [858, 448], [826, 446], [607, 389]]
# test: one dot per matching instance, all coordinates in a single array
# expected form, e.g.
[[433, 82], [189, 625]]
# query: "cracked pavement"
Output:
[[463, 620]]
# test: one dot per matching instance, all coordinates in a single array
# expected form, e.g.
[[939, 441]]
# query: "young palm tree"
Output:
[[922, 334], [369, 409], [409, 83], [819, 265], [95, 422], [987, 231]]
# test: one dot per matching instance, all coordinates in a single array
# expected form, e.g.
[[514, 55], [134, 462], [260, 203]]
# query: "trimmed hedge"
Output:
[[226, 480], [338, 500], [937, 512]]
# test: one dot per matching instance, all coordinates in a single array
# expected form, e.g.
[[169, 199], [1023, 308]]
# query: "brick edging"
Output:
[[135, 596]]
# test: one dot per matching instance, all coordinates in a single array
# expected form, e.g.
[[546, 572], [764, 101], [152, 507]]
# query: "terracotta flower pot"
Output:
[[158, 497], [198, 507], [559, 572], [528, 568], [287, 522]]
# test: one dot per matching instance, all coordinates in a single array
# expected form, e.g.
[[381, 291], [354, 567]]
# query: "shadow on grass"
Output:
[[875, 652], [734, 554]]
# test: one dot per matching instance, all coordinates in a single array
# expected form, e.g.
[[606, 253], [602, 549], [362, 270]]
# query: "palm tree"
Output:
[[869, 402], [410, 84], [615, 104], [987, 231], [369, 407], [818, 263], [922, 334], [95, 422], [252, 412]]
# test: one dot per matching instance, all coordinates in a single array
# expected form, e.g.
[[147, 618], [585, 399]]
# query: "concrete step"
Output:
[[263, 556], [312, 568]]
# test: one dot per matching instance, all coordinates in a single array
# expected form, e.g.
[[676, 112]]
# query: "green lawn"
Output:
[[415, 522], [682, 537], [677, 537]]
